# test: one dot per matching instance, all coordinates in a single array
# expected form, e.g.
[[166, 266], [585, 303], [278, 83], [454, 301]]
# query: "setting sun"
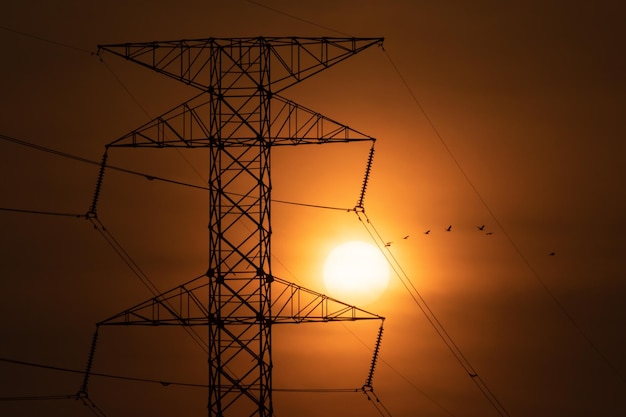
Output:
[[356, 273]]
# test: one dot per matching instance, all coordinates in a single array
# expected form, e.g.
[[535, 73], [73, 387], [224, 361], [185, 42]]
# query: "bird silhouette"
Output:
[[551, 254], [449, 228], [388, 244], [427, 232], [480, 227], [489, 233], [406, 237]]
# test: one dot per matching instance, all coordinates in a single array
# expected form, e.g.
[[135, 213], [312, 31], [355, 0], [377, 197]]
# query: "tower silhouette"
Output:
[[239, 116]]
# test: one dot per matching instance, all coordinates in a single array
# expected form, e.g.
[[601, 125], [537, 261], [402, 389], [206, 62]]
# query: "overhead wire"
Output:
[[40, 398], [45, 213], [47, 40], [161, 382], [291, 16], [431, 317], [573, 322], [139, 273], [149, 177], [377, 403]]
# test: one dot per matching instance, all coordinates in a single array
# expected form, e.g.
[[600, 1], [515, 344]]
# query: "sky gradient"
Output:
[[503, 114]]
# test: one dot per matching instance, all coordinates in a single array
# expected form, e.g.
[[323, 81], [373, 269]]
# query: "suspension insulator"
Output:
[[96, 194], [92, 351], [370, 376], [359, 204]]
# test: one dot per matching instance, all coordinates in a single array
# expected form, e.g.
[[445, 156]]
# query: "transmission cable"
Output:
[[40, 38], [139, 273], [164, 383], [430, 316], [45, 213], [515, 247], [296, 17], [375, 401], [149, 177]]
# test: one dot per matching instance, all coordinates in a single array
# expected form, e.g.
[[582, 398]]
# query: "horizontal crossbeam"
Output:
[[239, 62], [291, 303], [290, 124]]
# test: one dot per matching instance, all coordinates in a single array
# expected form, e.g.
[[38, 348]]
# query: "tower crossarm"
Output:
[[184, 127], [201, 62], [183, 305], [295, 304]]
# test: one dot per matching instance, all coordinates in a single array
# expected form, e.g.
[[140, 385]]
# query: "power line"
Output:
[[164, 383], [291, 16], [516, 248], [40, 398], [149, 177], [378, 405], [431, 317], [139, 273], [50, 41], [46, 213]]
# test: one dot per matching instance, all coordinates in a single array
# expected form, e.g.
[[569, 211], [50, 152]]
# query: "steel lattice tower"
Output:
[[239, 116]]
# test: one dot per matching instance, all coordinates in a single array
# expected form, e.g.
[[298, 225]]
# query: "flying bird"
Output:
[[489, 233], [480, 227], [427, 232], [388, 243], [551, 254], [406, 237], [449, 228]]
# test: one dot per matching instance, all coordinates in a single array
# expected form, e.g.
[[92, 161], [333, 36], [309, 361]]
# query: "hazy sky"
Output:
[[507, 114]]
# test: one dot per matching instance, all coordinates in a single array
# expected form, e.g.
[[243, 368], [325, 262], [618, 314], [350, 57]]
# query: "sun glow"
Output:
[[356, 273]]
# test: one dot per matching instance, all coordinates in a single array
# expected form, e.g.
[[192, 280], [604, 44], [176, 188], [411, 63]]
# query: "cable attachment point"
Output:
[[92, 210], [359, 204]]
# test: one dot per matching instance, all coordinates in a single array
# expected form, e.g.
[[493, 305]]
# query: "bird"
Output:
[[480, 227], [551, 254], [473, 375], [406, 237], [489, 233], [388, 244], [427, 232], [449, 228]]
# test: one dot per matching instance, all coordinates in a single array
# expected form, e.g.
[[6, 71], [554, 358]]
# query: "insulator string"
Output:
[[370, 376], [359, 204], [96, 194], [92, 351]]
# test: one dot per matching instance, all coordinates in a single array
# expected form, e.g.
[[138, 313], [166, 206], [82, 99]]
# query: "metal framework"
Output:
[[239, 116]]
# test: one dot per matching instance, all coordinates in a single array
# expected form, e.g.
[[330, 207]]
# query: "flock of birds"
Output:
[[447, 229], [480, 228]]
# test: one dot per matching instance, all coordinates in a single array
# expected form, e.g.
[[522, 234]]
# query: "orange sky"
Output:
[[527, 98]]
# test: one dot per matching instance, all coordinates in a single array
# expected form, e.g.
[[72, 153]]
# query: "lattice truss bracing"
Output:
[[239, 116]]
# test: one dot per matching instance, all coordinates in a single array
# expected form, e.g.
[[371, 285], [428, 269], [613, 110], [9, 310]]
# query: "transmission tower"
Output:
[[239, 116]]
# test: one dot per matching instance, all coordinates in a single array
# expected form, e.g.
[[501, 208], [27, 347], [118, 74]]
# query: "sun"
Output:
[[356, 273]]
